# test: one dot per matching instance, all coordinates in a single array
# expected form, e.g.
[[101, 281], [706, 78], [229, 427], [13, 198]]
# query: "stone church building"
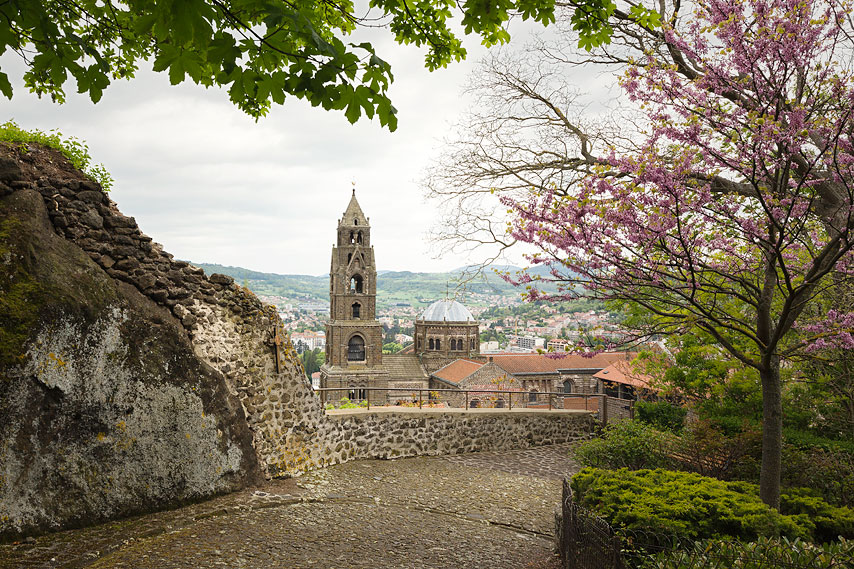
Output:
[[446, 349]]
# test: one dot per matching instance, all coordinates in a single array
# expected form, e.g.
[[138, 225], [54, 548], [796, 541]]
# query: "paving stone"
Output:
[[490, 509]]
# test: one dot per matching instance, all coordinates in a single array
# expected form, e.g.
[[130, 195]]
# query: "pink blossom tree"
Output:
[[735, 212]]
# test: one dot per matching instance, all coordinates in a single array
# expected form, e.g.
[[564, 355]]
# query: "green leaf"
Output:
[[5, 85]]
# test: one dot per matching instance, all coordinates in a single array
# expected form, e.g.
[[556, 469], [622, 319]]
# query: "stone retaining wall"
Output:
[[395, 433]]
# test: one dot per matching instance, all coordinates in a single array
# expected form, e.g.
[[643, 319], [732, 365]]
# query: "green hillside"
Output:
[[417, 289]]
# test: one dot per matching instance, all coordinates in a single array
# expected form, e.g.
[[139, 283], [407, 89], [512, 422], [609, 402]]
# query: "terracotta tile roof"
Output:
[[457, 370], [622, 372], [543, 363]]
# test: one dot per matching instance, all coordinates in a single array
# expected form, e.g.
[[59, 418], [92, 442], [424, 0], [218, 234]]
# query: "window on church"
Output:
[[474, 403], [471, 344], [355, 221], [438, 344], [357, 309], [453, 344], [356, 284], [352, 237], [359, 237], [356, 349], [532, 397], [432, 344], [567, 386]]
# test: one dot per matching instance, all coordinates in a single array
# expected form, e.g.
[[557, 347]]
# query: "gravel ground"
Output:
[[493, 510]]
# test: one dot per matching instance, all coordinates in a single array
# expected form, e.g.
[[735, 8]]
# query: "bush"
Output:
[[625, 444], [684, 504], [661, 415], [705, 449], [828, 521], [763, 553], [76, 151], [830, 473]]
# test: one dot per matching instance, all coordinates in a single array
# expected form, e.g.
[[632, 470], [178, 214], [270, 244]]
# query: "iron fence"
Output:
[[586, 541]]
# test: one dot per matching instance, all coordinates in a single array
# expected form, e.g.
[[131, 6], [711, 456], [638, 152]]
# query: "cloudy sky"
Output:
[[212, 185]]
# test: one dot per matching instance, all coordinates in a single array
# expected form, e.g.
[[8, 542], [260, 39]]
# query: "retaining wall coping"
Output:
[[438, 413]]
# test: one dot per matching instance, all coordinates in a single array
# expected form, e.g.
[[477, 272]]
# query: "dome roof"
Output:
[[449, 310]]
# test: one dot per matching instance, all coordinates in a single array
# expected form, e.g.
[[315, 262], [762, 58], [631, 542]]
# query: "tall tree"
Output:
[[725, 204]]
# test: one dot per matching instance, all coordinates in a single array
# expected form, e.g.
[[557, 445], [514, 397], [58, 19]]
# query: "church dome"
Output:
[[449, 310]]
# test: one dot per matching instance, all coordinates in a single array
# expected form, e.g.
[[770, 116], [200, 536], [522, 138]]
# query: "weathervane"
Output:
[[354, 187]]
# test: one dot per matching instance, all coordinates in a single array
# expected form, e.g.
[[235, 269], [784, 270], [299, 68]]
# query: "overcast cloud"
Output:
[[212, 185]]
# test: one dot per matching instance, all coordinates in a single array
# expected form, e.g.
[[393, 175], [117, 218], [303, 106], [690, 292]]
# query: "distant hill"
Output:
[[393, 287]]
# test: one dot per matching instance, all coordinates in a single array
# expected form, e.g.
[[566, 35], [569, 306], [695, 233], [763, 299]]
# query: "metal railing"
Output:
[[596, 402]]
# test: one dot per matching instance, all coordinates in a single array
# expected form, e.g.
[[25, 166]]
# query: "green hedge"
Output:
[[684, 504], [763, 553]]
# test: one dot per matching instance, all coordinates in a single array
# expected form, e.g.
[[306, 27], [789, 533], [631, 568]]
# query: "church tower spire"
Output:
[[353, 334]]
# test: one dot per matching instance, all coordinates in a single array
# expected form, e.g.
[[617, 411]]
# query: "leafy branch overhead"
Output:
[[260, 51]]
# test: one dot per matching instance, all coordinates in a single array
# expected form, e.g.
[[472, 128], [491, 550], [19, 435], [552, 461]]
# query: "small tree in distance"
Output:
[[735, 212]]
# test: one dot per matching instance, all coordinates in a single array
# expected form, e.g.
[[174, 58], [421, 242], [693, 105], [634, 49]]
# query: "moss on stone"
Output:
[[21, 296]]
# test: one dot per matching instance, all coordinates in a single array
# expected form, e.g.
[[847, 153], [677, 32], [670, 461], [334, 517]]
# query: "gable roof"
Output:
[[457, 370], [554, 363], [622, 372]]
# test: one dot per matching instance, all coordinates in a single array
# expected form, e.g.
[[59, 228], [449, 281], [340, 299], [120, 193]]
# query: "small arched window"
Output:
[[567, 386], [438, 344], [359, 237], [357, 309], [356, 284], [352, 237], [432, 344], [471, 344], [356, 349], [355, 221], [532, 397], [453, 344]]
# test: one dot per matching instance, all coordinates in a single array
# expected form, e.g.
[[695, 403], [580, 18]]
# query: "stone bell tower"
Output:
[[353, 335]]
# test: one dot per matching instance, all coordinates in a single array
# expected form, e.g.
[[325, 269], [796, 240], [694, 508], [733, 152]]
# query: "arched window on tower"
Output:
[[432, 344], [357, 309], [355, 221], [356, 284], [453, 344], [356, 349], [349, 257], [438, 344], [359, 237], [352, 237]]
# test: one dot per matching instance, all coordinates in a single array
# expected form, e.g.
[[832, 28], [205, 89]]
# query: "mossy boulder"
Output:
[[106, 410]]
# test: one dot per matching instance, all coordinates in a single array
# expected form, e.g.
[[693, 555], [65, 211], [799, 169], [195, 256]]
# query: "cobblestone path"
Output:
[[493, 510]]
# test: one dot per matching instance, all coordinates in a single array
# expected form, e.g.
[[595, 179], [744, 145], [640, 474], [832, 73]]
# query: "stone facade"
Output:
[[354, 337]]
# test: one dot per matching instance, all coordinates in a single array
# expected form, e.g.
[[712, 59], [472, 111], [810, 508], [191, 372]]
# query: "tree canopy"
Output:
[[260, 51]]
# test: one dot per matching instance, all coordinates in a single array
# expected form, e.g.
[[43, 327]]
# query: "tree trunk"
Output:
[[772, 434]]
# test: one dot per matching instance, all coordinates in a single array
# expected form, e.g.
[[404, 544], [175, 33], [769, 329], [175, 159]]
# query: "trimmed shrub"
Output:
[[763, 553], [625, 444], [828, 521], [661, 415], [684, 504]]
